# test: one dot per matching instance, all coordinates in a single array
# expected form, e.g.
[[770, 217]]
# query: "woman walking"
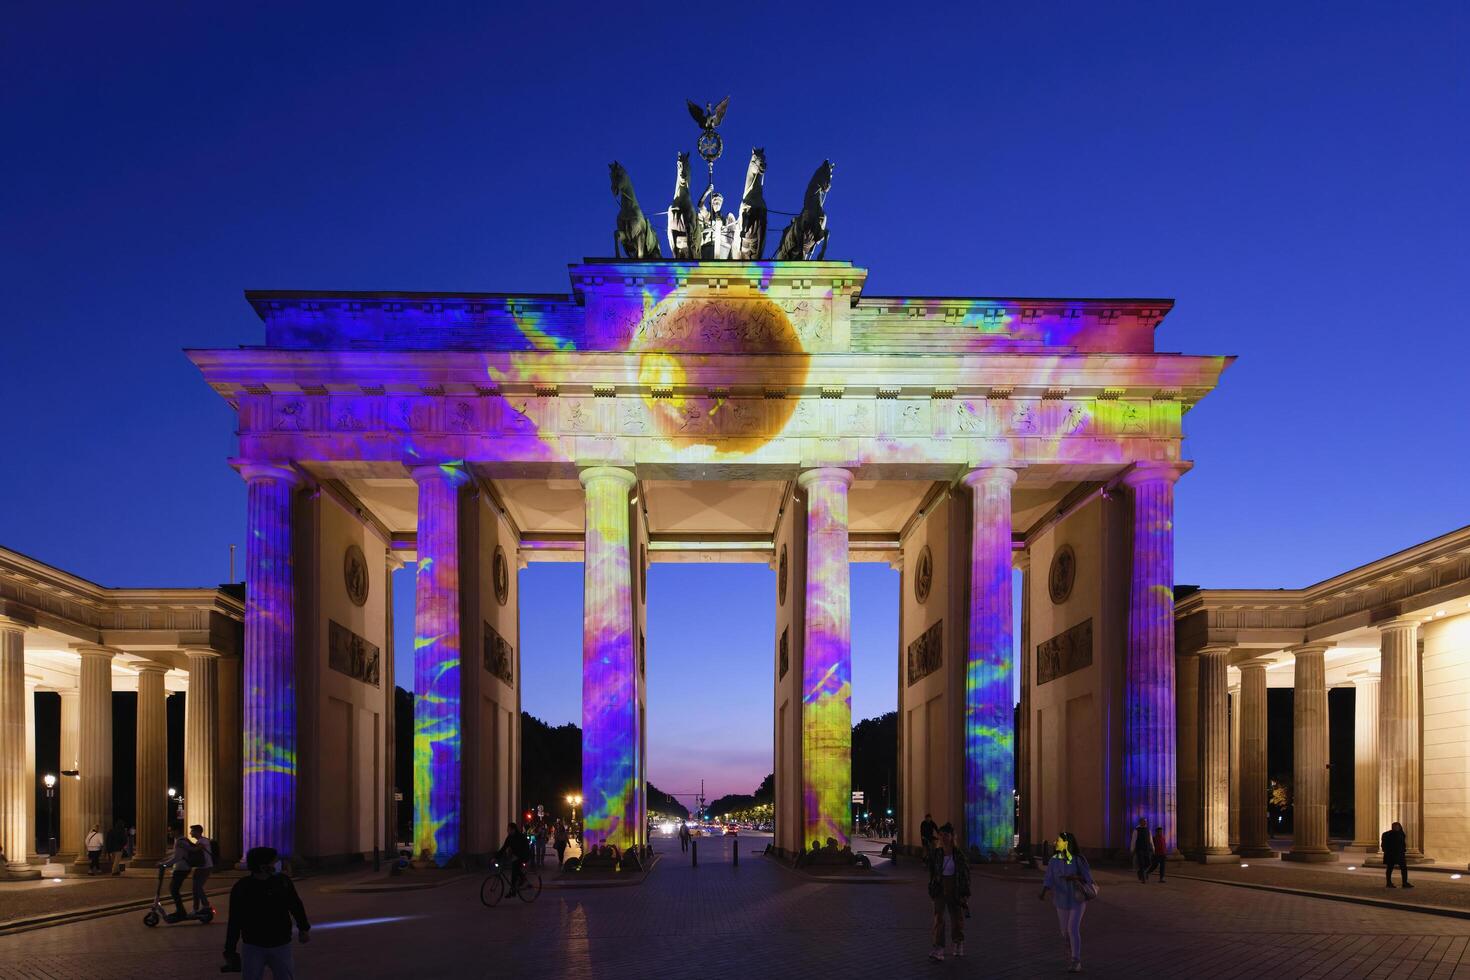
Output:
[[1069, 880], [949, 889], [559, 841]]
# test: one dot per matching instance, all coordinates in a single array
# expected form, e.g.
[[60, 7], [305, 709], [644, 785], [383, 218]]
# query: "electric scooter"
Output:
[[157, 913]]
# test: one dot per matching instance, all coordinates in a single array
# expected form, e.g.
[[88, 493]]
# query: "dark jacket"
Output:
[[1143, 841], [1394, 844], [261, 912], [517, 846], [936, 873], [928, 830]]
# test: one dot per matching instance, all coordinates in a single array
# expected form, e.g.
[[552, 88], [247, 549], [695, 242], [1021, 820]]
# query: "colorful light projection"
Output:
[[826, 681], [1149, 775], [612, 797], [269, 674], [989, 678], [436, 661]]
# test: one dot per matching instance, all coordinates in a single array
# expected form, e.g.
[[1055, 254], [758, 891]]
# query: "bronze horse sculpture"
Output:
[[809, 228], [633, 234], [683, 243], [750, 229]]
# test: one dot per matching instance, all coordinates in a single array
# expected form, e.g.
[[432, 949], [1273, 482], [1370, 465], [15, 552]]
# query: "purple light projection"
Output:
[[611, 795], [436, 661], [826, 680], [269, 746], [1149, 774], [989, 678]]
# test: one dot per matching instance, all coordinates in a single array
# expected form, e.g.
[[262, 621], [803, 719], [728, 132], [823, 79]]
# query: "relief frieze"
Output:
[[926, 654], [350, 654], [1068, 651]]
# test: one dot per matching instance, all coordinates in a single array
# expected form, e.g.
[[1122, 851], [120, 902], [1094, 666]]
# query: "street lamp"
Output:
[[575, 799], [50, 780]]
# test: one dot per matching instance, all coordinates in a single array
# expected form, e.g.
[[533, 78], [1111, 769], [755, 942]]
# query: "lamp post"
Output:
[[575, 799], [50, 781]]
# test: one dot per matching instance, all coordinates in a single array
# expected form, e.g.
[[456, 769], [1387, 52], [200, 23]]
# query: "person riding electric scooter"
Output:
[[187, 856]]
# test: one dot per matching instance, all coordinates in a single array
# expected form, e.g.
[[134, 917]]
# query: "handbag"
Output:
[[1086, 890]]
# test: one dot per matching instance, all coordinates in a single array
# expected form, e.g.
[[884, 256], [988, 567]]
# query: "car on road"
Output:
[[731, 830]]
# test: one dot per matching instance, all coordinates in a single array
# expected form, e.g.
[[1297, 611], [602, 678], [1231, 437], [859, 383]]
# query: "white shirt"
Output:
[[94, 841], [948, 870]]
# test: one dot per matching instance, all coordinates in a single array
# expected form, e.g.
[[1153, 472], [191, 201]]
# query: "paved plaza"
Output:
[[761, 918]]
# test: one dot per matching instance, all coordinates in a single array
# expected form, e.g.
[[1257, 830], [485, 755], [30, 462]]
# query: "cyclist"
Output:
[[516, 849]]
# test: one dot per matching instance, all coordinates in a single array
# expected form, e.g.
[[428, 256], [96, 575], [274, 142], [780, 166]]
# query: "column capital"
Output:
[[1310, 649], [824, 474], [1153, 472], [451, 471], [1216, 649], [993, 475], [200, 651], [146, 666], [1255, 663], [95, 650], [1364, 677], [1409, 623], [616, 473], [1022, 559], [252, 470], [13, 624]]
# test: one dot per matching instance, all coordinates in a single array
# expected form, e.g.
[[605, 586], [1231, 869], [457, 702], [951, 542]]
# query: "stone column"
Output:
[[201, 739], [989, 672], [826, 680], [610, 790], [68, 789], [94, 746], [34, 827], [269, 753], [1149, 735], [1235, 765], [1365, 762], [1398, 731], [1254, 842], [1214, 754], [15, 834], [1187, 730], [1309, 746], [1023, 730], [152, 760], [437, 756]]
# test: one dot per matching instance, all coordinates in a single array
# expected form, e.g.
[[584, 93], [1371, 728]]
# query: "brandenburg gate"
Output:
[[665, 411]]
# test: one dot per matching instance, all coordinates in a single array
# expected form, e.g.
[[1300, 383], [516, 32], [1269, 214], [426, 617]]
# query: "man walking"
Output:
[[262, 907], [1395, 846], [1142, 847], [927, 831]]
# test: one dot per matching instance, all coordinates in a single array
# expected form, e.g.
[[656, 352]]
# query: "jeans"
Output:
[[201, 875], [1070, 919], [94, 862], [1158, 862], [176, 888], [1142, 862], [254, 960], [948, 900], [1389, 863]]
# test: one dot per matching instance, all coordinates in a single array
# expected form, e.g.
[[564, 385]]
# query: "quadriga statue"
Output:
[[808, 230], [633, 237]]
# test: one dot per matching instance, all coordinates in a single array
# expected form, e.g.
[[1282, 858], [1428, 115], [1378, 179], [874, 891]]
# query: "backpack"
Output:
[[194, 855]]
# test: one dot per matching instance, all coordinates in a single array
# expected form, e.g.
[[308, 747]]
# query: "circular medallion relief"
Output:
[[500, 569], [355, 575], [781, 578], [1062, 575], [923, 575]]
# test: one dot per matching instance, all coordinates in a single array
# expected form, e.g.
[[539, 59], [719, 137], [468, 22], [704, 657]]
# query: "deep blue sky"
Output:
[[1293, 173]]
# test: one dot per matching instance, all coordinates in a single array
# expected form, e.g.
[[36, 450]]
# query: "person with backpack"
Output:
[[263, 905], [203, 871], [94, 844], [187, 856], [114, 841]]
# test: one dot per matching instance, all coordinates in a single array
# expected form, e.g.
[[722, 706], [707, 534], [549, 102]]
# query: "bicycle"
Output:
[[497, 885]]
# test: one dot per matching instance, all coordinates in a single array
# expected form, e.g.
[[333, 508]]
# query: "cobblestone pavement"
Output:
[[1431, 888], [765, 919]]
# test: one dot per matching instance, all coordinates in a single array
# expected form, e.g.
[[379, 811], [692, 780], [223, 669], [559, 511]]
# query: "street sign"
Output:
[[857, 796]]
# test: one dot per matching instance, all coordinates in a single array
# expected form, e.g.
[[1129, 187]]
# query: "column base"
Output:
[[19, 872], [1213, 855], [1256, 852], [1310, 857], [1413, 860]]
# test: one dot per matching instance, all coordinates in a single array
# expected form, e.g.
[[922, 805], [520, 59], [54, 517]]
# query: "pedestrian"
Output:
[[927, 831], [1160, 852], [949, 889], [262, 907], [559, 841], [543, 830], [203, 871], [684, 836], [187, 856], [116, 840], [1395, 846], [94, 844], [1069, 880], [1142, 847]]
